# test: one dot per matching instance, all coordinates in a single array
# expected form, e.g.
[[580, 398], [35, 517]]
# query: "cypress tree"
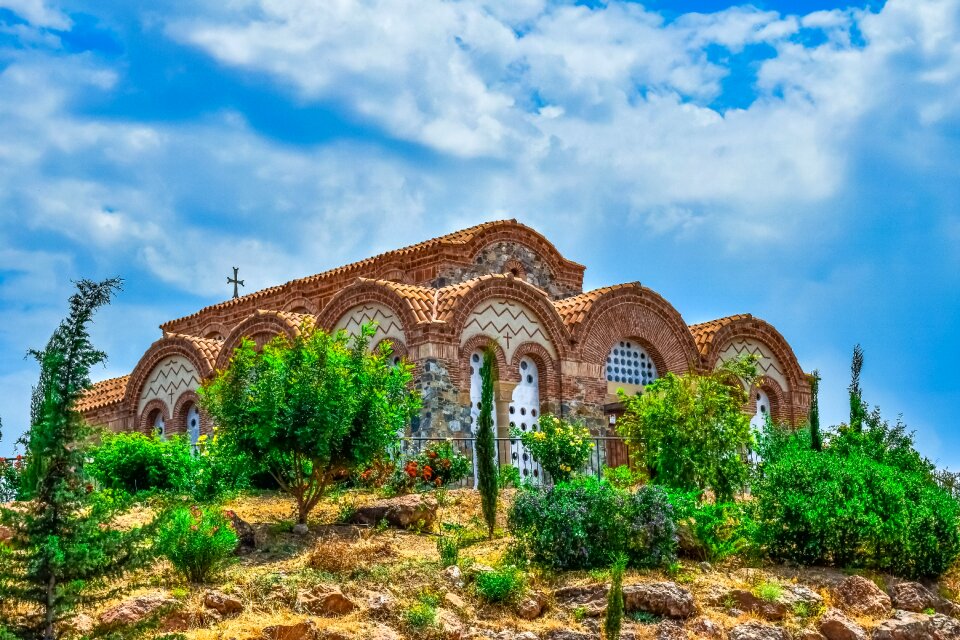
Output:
[[816, 437], [66, 550], [614, 618], [487, 446], [857, 410]]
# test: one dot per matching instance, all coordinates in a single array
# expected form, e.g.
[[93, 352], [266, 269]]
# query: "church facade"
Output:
[[558, 349]]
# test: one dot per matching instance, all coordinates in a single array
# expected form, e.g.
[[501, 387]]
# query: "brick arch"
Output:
[[516, 268], [639, 314], [779, 411], [364, 291], [144, 424], [516, 290], [216, 331], [301, 305], [158, 351], [562, 269], [260, 325], [795, 400], [461, 375], [547, 368], [179, 419], [398, 346]]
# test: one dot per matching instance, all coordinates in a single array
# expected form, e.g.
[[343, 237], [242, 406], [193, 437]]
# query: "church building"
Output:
[[558, 349]]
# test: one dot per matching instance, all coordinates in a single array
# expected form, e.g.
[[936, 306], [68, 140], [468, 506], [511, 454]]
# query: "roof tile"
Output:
[[103, 394]]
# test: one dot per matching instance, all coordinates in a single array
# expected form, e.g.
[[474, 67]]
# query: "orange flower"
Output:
[[431, 454], [411, 469], [438, 481], [427, 472]]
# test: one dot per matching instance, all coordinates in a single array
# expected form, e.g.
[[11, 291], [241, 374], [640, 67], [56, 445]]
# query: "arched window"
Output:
[[158, 423], [476, 361], [524, 415], [629, 363], [193, 424], [763, 410]]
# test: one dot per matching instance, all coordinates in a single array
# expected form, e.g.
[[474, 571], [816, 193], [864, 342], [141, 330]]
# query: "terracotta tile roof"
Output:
[[449, 297], [704, 332], [574, 309], [422, 300], [456, 238], [209, 348], [103, 394]]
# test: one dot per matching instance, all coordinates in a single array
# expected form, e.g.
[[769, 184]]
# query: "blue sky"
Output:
[[796, 160]]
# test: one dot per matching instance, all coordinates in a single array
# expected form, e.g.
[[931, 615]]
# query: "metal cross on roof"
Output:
[[235, 282]]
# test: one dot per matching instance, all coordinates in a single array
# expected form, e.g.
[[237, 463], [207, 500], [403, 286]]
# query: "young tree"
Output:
[[614, 616], [309, 409], [486, 446], [692, 430], [816, 437], [66, 550], [858, 409]]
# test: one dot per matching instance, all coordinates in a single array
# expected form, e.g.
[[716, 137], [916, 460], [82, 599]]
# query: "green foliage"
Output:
[[561, 447], [508, 476], [613, 620], [486, 446], [577, 525], [448, 545], [691, 430], [198, 541], [505, 584], [311, 408], [10, 473], [623, 477], [719, 530], [866, 500], [439, 464], [67, 548], [768, 591], [816, 437], [858, 409], [422, 615]]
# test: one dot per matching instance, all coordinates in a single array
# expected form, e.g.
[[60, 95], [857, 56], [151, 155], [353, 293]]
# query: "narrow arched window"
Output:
[[476, 361], [193, 424], [525, 415], [629, 363], [763, 410]]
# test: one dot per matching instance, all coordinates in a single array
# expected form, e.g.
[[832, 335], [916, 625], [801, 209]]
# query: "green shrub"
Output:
[[856, 503], [198, 541], [448, 545], [10, 471], [423, 614], [508, 476], [718, 530], [505, 584], [438, 465], [561, 447], [624, 477], [578, 525], [613, 620], [768, 591]]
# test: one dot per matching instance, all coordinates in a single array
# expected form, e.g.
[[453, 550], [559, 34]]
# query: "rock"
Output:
[[659, 598], [454, 575], [222, 603], [913, 596], [808, 634], [907, 625], [454, 601], [753, 630], [80, 624], [246, 537], [305, 630], [322, 601], [380, 605], [582, 595], [704, 627], [137, 609], [836, 626], [401, 512], [525, 635], [182, 620], [383, 632], [671, 630], [450, 626], [861, 597], [563, 634], [795, 595], [531, 606], [705, 567], [336, 634], [744, 600], [300, 529]]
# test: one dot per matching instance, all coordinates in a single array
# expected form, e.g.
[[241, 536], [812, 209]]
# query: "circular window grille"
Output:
[[629, 363]]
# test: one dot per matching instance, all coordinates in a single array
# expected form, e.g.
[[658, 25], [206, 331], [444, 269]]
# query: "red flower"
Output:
[[431, 454], [427, 472], [411, 469], [438, 481]]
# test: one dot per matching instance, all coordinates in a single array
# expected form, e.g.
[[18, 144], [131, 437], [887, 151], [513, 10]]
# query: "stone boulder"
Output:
[[913, 596], [671, 630], [907, 625], [137, 609], [705, 628], [836, 626], [582, 595], [564, 634], [754, 630], [225, 605], [745, 600], [532, 606], [659, 598], [859, 596], [808, 634], [380, 605], [321, 601], [382, 632], [304, 630], [402, 512]]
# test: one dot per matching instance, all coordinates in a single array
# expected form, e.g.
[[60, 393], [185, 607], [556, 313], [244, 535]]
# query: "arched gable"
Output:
[[260, 327], [510, 231], [171, 366], [388, 303], [633, 312]]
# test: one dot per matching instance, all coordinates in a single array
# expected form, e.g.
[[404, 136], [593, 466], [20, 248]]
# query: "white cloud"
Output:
[[37, 13]]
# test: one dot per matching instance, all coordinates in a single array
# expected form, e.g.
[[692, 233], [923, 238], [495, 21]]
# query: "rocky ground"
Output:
[[345, 581]]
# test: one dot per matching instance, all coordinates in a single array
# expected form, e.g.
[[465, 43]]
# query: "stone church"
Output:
[[558, 349]]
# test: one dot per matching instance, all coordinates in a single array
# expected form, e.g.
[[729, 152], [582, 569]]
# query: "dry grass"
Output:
[[346, 557]]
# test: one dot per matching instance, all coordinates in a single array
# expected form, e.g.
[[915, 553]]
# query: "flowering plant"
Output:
[[561, 447], [441, 463]]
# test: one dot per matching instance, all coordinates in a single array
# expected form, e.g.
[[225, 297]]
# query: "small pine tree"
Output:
[[614, 618], [858, 410], [486, 445], [66, 550], [816, 437]]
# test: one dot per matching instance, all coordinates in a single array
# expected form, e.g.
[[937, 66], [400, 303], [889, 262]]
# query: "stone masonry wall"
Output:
[[441, 415]]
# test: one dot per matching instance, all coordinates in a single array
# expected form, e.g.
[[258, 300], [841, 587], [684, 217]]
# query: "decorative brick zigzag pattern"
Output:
[[768, 364], [172, 376], [387, 323]]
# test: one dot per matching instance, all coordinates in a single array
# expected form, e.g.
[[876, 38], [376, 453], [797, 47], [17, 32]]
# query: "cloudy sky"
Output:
[[796, 160]]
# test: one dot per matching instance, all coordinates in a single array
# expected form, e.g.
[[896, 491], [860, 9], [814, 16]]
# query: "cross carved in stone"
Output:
[[235, 282]]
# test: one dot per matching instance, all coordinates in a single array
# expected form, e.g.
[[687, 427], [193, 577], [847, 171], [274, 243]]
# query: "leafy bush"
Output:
[[508, 476], [858, 502], [198, 541], [505, 584], [422, 615], [578, 525], [623, 476], [448, 545], [691, 430], [613, 620], [561, 447], [439, 464], [716, 530], [10, 479]]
